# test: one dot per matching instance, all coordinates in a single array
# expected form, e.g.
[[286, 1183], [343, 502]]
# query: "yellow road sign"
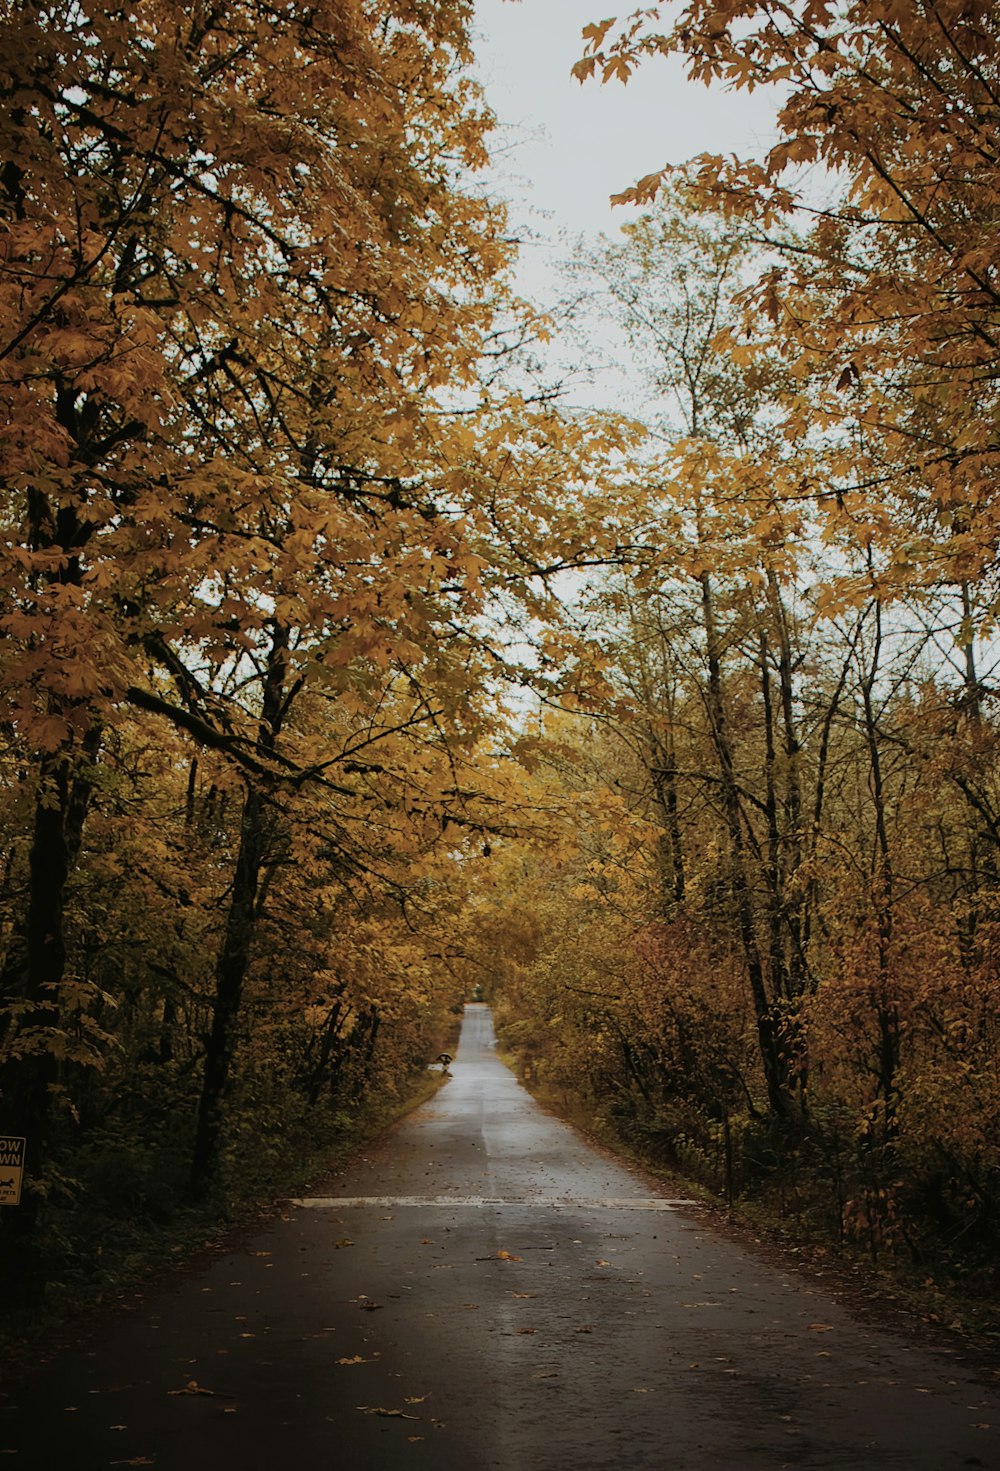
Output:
[[11, 1168]]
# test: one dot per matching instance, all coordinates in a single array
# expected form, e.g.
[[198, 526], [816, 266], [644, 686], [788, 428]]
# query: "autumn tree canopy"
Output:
[[784, 867], [267, 508], [882, 289], [342, 672]]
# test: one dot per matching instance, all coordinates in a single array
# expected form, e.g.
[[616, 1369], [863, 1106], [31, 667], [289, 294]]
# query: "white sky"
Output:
[[564, 148]]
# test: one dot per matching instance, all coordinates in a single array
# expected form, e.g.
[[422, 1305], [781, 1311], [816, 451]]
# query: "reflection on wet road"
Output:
[[484, 1290]]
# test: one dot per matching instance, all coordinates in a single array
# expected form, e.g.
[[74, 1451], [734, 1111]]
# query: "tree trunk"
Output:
[[885, 1006], [771, 1059], [671, 846], [776, 935], [794, 913], [234, 956], [230, 974], [33, 975]]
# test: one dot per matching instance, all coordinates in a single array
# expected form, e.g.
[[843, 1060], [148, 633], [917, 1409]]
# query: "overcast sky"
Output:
[[565, 148]]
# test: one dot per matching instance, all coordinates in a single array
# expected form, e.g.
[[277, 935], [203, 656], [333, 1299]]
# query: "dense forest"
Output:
[[344, 669]]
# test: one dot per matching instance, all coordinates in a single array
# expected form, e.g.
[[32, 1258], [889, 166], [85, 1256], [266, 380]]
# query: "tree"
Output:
[[721, 563], [760, 647], [237, 259], [888, 302], [263, 497]]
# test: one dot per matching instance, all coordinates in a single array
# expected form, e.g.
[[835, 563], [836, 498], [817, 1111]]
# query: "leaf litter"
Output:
[[191, 1387]]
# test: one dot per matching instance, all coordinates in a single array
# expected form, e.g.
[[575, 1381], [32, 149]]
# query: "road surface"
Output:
[[486, 1291]]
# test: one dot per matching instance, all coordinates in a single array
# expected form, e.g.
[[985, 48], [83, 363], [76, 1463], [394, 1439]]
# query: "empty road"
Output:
[[484, 1290]]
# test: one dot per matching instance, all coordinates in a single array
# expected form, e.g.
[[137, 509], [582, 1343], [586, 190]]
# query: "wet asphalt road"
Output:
[[486, 1291]]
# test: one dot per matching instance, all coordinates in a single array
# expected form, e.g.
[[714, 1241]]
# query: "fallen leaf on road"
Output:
[[585, 1328], [386, 1414], [345, 1241], [524, 1295], [357, 1359], [424, 1241], [413, 1439], [415, 1399], [508, 1256], [526, 1330], [191, 1387], [368, 1304], [820, 1328]]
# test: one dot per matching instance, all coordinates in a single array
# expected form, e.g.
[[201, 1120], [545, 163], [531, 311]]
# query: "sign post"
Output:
[[11, 1168]]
